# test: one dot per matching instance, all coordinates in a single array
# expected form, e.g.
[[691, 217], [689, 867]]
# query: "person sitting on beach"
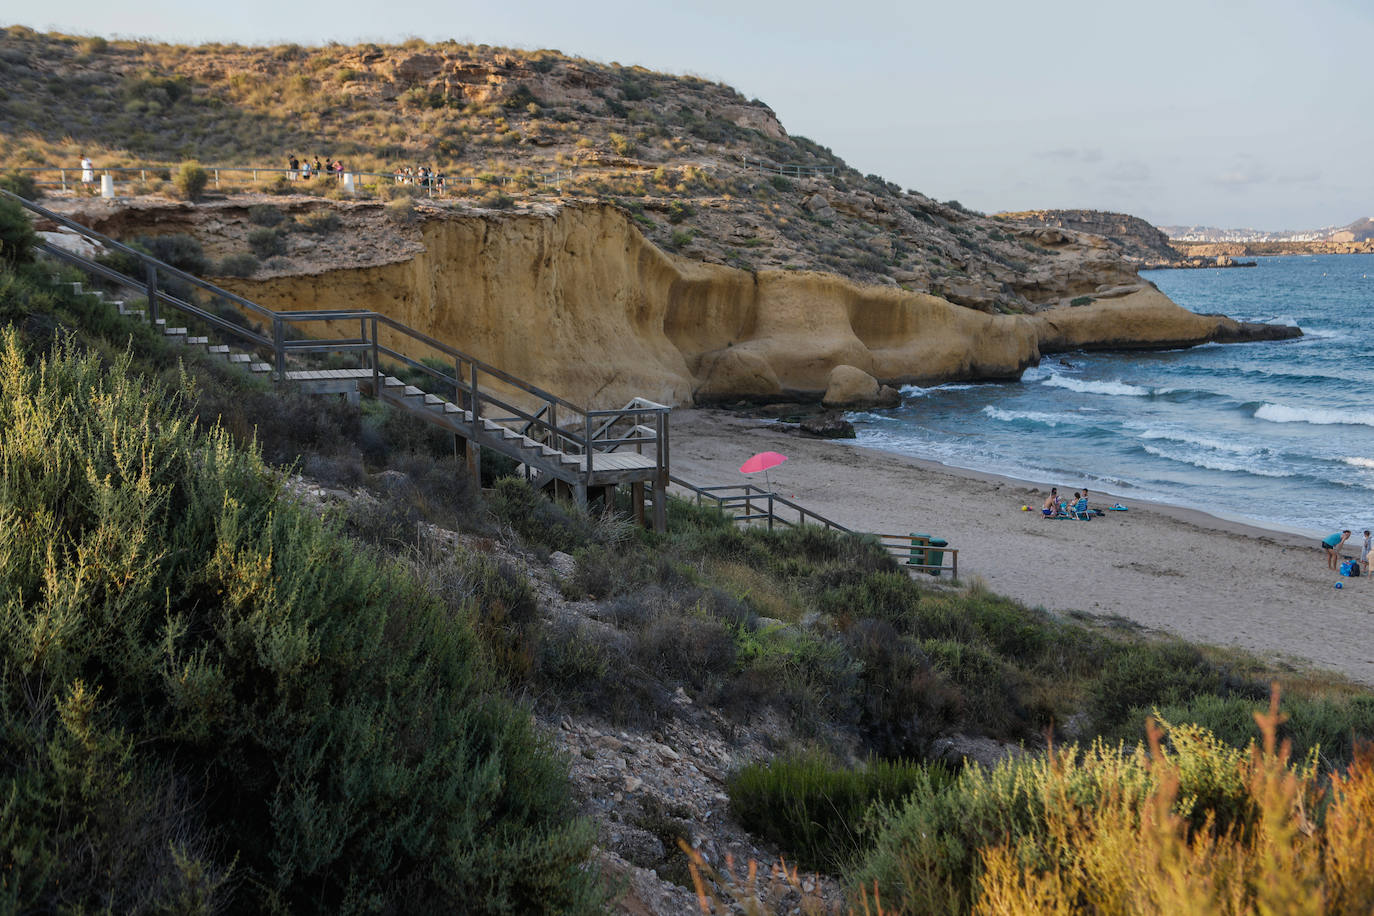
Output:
[[1332, 544], [1051, 507]]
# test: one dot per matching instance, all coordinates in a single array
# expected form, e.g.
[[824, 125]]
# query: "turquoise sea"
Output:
[[1279, 433]]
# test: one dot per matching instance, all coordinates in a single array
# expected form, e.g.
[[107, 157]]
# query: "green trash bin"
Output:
[[919, 543], [936, 557]]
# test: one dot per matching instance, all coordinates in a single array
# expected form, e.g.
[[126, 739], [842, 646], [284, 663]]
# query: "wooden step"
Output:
[[259, 367], [197, 341], [240, 358], [175, 332]]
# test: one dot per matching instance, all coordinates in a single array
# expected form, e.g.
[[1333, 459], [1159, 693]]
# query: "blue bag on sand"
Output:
[[1347, 567]]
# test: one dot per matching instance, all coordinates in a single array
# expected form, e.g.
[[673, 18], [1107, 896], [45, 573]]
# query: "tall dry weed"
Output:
[[1289, 846]]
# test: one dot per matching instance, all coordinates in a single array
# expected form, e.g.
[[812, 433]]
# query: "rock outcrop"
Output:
[[1133, 237], [577, 301]]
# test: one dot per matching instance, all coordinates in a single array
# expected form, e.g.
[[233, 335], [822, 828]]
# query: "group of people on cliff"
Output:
[[302, 170], [423, 175]]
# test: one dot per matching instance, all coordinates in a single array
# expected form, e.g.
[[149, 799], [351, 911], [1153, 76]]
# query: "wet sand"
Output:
[[1201, 577]]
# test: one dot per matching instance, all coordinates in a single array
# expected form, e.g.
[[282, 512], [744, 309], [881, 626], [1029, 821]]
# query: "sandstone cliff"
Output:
[[579, 302]]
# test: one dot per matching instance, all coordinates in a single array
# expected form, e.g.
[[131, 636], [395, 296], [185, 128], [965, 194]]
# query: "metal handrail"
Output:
[[746, 495], [579, 437], [791, 170]]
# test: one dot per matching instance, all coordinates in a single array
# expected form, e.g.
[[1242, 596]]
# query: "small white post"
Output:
[[107, 186], [348, 183]]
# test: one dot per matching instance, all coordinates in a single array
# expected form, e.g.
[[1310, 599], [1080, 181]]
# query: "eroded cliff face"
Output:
[[580, 303]]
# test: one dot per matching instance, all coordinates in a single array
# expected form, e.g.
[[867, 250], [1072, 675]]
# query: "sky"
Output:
[[1230, 113]]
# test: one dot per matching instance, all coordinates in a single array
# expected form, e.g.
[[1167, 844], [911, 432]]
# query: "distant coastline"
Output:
[[1254, 249]]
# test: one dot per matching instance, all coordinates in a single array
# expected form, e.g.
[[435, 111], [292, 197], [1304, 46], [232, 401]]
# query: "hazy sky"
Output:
[[1219, 112]]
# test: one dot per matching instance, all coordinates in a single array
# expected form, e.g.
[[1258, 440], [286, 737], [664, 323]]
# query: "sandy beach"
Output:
[[1173, 569]]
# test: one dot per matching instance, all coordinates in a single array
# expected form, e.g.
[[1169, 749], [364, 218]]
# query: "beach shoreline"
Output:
[[1204, 577]]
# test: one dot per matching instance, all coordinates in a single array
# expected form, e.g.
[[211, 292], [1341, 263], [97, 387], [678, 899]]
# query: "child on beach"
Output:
[[1332, 544], [1366, 553]]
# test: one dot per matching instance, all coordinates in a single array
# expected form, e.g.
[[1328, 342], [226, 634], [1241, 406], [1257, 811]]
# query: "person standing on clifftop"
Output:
[[1332, 544]]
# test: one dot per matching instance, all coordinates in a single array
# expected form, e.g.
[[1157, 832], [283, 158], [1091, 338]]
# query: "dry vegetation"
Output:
[[670, 149]]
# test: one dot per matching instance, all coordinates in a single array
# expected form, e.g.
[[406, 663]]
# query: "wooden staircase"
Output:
[[578, 452]]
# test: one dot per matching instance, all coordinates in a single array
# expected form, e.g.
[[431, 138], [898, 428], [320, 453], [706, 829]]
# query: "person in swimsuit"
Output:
[[1332, 544], [1051, 507]]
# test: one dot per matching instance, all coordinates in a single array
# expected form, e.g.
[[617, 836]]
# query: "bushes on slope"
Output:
[[212, 700], [1192, 825]]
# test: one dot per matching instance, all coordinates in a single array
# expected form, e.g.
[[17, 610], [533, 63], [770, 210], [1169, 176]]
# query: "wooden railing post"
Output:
[[376, 363], [279, 347], [589, 449], [150, 274]]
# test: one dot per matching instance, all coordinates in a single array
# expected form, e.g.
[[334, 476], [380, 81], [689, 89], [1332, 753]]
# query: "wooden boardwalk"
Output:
[[580, 452]]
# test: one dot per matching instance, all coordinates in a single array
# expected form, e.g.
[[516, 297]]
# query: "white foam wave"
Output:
[[866, 417], [1318, 416], [1213, 462], [1011, 416], [916, 391], [1359, 462], [1085, 386], [1184, 438]]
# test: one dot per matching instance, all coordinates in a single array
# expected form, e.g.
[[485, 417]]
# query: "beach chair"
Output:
[[1080, 510]]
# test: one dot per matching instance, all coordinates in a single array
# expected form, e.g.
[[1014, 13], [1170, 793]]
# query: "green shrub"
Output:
[[242, 264], [814, 811], [496, 200], [1331, 726], [1080, 300], [17, 237], [21, 183], [214, 701], [191, 179], [265, 215], [1158, 674], [321, 222], [267, 242], [679, 210]]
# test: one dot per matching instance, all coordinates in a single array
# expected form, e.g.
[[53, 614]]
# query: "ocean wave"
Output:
[[1214, 462], [1216, 445], [863, 416], [1084, 386], [1317, 416], [916, 391], [1359, 462], [1031, 416], [1113, 387]]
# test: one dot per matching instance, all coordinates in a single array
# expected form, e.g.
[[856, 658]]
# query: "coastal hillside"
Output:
[[701, 169]]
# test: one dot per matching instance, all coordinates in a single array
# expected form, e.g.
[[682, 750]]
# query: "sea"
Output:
[[1279, 433]]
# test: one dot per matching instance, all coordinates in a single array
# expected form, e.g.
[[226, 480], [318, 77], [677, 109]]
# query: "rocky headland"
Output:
[[573, 297]]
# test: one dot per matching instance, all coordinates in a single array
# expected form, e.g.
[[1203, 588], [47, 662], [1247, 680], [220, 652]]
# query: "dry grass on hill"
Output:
[[671, 149]]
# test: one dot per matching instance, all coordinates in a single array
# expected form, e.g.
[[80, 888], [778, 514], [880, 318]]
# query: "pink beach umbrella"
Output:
[[762, 462]]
